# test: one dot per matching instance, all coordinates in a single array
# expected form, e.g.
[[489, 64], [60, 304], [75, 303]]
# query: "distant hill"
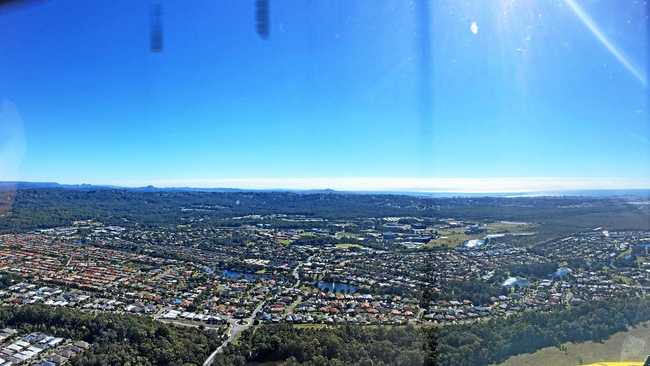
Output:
[[632, 193], [45, 185]]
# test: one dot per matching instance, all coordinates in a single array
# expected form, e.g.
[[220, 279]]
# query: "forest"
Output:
[[28, 209], [497, 339], [480, 343], [342, 345], [116, 339]]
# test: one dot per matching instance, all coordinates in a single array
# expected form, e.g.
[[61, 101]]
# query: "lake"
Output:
[[236, 275], [336, 287]]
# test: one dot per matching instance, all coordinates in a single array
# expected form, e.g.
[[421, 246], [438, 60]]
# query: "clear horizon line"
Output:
[[405, 184]]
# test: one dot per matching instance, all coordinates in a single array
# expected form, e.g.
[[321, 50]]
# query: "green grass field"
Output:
[[454, 237], [348, 246], [632, 345], [501, 227], [342, 235]]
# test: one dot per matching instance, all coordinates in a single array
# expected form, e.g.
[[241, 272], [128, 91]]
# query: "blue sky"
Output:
[[355, 90]]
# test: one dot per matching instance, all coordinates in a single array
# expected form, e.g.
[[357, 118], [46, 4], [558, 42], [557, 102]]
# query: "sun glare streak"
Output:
[[589, 23]]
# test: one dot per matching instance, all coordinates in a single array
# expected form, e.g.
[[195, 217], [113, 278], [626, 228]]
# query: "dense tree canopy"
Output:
[[29, 208], [474, 344], [117, 339]]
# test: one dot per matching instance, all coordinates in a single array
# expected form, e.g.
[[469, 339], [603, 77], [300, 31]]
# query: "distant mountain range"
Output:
[[19, 185], [54, 185]]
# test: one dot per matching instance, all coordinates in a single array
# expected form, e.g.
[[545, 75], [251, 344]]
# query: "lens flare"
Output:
[[593, 27]]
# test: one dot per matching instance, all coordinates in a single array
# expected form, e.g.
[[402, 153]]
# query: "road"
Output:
[[294, 273], [236, 328]]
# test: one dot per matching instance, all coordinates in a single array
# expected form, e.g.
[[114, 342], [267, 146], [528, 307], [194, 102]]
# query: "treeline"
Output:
[[325, 240], [480, 343], [478, 292], [7, 279], [116, 339], [335, 346], [27, 209], [496, 340], [41, 208], [316, 240], [132, 340], [536, 270]]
